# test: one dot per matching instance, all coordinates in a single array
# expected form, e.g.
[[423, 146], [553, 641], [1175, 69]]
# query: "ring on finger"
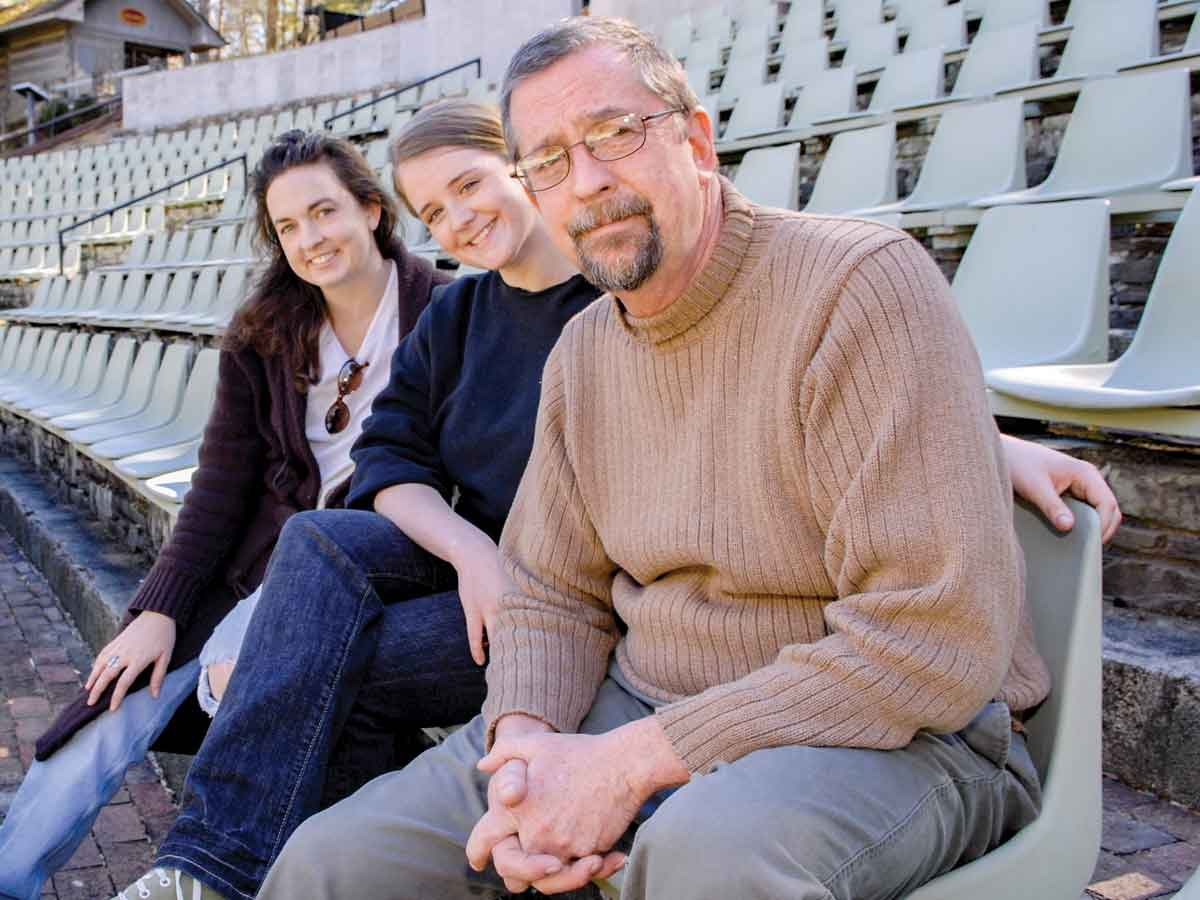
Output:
[[113, 662]]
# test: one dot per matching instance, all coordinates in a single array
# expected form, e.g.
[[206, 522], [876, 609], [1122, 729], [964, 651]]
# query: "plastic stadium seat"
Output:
[[86, 381], [678, 36], [977, 150], [1126, 134], [158, 462], [752, 39], [909, 12], [859, 172], [1107, 35], [1191, 890], [58, 378], [944, 28], [872, 48], [188, 423], [770, 175], [742, 74], [855, 16], [9, 345], [802, 60], [704, 52], [120, 296], [999, 14], [713, 23], [1033, 285], [201, 301], [998, 59], [175, 303], [1182, 184], [1053, 857], [757, 112], [153, 294], [826, 95], [805, 22], [166, 393], [1159, 370], [909, 78], [1191, 48], [106, 394], [135, 382]]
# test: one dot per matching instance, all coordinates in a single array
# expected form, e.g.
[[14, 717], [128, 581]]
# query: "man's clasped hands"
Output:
[[558, 803]]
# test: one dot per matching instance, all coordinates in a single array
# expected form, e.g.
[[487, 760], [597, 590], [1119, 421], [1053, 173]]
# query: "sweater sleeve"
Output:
[[399, 443], [927, 570], [217, 508], [560, 619]]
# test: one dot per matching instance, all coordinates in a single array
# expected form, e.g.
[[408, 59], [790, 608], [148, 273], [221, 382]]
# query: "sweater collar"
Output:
[[710, 286]]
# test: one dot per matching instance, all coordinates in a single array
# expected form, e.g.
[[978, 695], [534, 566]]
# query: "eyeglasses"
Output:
[[349, 380], [606, 141]]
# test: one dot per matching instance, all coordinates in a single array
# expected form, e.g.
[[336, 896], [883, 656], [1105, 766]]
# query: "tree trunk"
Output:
[[272, 25]]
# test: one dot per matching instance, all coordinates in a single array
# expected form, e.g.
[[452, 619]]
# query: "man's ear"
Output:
[[700, 138]]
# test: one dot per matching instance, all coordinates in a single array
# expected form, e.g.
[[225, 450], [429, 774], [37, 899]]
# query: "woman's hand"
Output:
[[149, 638], [1041, 475], [481, 584]]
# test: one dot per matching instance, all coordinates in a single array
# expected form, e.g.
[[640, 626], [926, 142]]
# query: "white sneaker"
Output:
[[168, 884]]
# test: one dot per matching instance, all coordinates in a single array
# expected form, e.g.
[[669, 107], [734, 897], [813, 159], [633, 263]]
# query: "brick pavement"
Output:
[[1149, 847]]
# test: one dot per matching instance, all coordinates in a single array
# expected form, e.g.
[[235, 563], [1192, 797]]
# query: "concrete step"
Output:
[[1152, 702]]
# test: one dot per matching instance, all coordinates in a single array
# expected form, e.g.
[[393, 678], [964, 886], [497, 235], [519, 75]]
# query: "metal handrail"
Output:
[[5, 138], [476, 62], [137, 200]]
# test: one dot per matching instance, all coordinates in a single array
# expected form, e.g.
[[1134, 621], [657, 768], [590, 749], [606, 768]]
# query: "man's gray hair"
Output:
[[659, 71]]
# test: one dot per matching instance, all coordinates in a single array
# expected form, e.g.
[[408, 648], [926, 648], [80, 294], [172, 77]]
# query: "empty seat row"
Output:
[[139, 408], [183, 299]]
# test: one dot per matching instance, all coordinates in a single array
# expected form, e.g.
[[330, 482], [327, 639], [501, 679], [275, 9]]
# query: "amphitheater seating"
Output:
[[59, 376], [105, 393], [942, 27], [803, 61], [1033, 286], [999, 14], [1189, 50], [150, 463], [909, 78], [1155, 385], [162, 401], [1129, 133], [826, 96], [997, 59], [84, 383], [135, 393], [872, 48], [758, 112]]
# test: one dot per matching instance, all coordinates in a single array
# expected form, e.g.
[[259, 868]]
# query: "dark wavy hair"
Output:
[[283, 314]]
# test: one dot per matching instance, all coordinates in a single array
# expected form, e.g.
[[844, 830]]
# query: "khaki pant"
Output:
[[802, 823]]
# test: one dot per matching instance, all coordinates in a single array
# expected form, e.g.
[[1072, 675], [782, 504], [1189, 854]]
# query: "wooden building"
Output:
[[49, 42]]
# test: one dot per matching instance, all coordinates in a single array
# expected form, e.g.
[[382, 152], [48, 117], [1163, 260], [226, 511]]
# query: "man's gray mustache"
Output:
[[607, 214]]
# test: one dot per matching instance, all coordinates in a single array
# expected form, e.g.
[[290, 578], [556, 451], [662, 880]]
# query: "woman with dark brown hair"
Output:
[[301, 362]]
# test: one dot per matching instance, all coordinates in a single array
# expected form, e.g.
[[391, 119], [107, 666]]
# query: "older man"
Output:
[[766, 477]]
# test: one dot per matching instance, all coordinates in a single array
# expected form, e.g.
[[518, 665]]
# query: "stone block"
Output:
[[117, 823], [83, 884], [29, 707], [1131, 886], [1183, 823], [1123, 834], [1161, 586]]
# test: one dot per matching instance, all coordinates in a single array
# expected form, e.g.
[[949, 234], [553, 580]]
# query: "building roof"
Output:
[[15, 14]]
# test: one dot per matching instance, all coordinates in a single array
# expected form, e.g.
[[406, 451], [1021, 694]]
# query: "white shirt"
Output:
[[332, 451]]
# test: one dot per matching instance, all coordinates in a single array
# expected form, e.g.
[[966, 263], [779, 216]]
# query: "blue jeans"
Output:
[[356, 638], [60, 798]]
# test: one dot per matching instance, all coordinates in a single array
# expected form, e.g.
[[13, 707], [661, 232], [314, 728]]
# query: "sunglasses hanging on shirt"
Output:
[[349, 380]]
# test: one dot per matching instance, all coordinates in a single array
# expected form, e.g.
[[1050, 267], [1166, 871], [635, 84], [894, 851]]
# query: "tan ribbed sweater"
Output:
[[789, 487]]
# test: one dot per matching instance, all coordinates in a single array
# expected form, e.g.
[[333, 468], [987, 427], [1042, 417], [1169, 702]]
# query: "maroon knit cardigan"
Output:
[[256, 469]]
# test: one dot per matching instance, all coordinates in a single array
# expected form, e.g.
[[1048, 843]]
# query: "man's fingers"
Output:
[[517, 867], [157, 676], [1090, 487], [487, 833], [572, 878], [475, 637], [510, 783]]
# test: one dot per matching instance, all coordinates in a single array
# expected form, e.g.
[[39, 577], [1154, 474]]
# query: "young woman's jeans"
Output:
[[60, 798], [356, 639]]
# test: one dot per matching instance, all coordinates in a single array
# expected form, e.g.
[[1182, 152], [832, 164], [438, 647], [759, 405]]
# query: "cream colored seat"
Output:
[[59, 377], [1155, 385], [149, 463], [135, 384], [859, 172], [944, 27], [86, 381], [1127, 134], [172, 485], [827, 95], [759, 111], [909, 78], [770, 175], [1033, 286]]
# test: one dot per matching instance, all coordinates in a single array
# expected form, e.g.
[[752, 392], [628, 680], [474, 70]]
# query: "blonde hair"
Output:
[[447, 123]]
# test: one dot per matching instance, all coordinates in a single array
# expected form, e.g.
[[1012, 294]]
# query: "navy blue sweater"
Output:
[[462, 397]]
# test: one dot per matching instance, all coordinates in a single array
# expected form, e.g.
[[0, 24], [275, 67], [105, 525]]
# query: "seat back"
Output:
[[204, 293], [826, 95], [944, 27], [859, 172], [1109, 34], [804, 61], [179, 294], [132, 293], [199, 395], [89, 294], [977, 150], [856, 16], [1164, 351], [1006, 13], [166, 390], [231, 294], [759, 111], [68, 374], [997, 59], [872, 47], [1053, 857], [910, 12], [117, 371], [1130, 133], [704, 52], [8, 350], [743, 73], [910, 78], [1033, 285], [39, 360], [91, 372], [770, 175]]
